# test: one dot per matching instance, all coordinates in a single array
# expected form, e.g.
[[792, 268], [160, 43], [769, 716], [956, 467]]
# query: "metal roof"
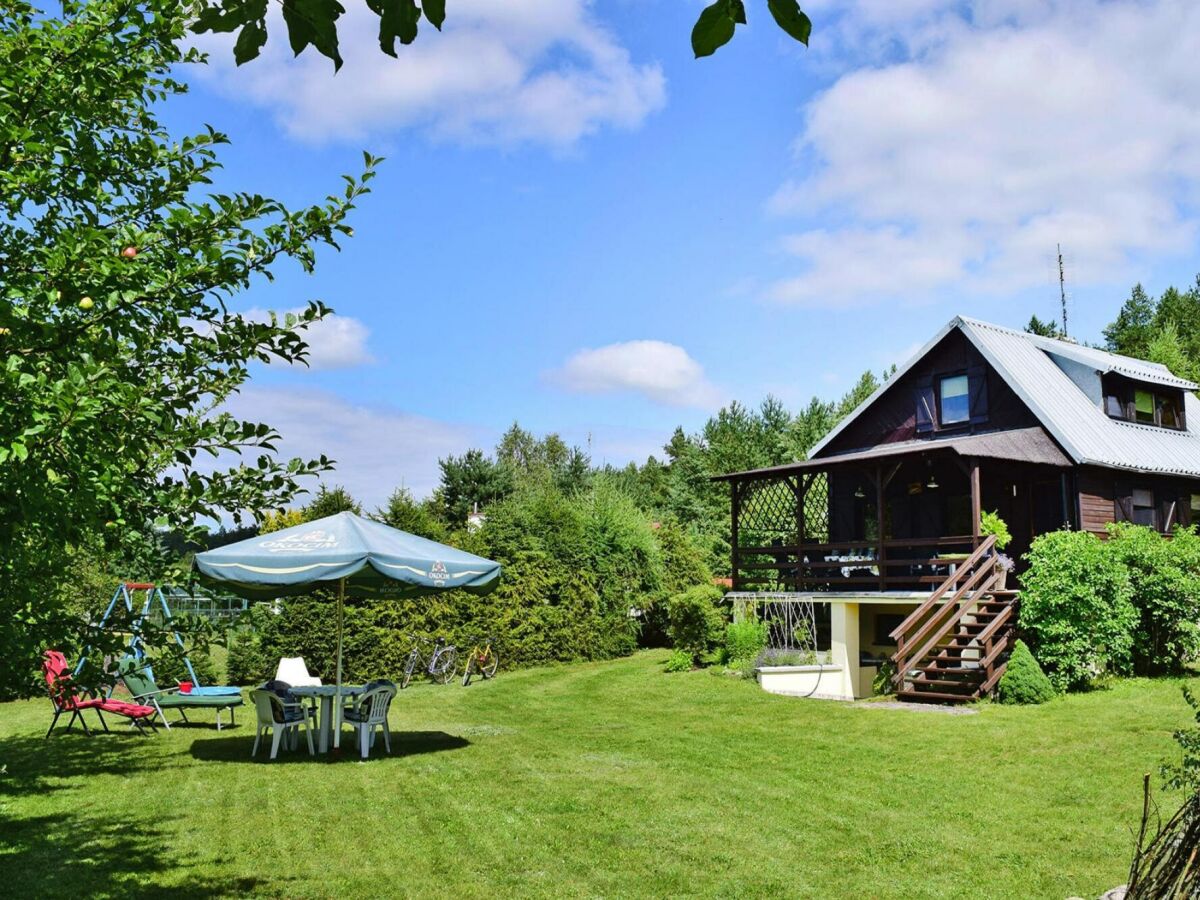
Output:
[[1101, 360], [1030, 445], [1079, 425]]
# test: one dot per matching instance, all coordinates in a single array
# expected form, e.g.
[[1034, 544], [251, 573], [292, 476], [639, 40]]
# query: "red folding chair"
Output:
[[64, 699]]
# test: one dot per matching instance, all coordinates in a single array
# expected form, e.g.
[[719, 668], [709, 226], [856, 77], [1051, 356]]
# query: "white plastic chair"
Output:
[[370, 711], [293, 670], [280, 716]]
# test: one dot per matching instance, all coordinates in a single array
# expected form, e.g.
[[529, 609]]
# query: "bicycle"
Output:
[[440, 665], [481, 658]]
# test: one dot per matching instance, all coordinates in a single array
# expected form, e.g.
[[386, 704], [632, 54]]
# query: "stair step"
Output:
[[943, 683], [932, 697]]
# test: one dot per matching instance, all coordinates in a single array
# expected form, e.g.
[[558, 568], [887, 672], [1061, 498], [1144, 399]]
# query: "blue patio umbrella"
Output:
[[359, 557]]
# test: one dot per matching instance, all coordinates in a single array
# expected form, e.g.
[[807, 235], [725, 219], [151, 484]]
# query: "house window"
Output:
[[1143, 407], [955, 400], [1145, 404], [1168, 412], [1144, 512]]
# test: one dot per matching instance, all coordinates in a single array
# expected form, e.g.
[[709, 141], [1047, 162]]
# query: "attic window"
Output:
[[1146, 404], [954, 396], [1143, 407]]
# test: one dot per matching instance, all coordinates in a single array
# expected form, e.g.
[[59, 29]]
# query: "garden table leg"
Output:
[[326, 714]]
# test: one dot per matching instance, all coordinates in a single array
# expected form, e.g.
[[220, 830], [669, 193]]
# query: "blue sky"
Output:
[[580, 227]]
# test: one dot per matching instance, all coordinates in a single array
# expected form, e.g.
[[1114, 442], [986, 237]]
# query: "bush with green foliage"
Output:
[[248, 661], [1076, 608], [745, 639], [1185, 774], [679, 661], [1023, 680], [1165, 578], [991, 523], [696, 621]]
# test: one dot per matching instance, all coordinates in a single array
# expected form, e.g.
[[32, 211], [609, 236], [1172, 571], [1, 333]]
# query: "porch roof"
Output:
[[1026, 445]]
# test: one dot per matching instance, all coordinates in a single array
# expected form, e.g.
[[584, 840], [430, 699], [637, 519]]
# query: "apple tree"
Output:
[[117, 345]]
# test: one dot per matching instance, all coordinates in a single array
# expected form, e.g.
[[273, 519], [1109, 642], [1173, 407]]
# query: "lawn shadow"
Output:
[[95, 855], [404, 743], [38, 765]]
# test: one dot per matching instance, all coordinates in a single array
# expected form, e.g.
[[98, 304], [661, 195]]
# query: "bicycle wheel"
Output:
[[488, 664], [469, 669], [442, 668], [408, 670]]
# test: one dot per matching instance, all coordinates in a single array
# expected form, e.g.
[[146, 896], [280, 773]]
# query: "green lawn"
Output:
[[598, 779]]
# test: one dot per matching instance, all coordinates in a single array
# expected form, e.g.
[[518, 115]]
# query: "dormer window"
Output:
[[1146, 404], [954, 400], [951, 400]]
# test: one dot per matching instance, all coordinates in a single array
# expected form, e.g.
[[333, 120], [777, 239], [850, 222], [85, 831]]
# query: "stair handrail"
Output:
[[971, 561], [953, 611]]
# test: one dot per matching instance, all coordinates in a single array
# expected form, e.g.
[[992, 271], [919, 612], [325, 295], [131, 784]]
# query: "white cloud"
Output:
[[1003, 130], [334, 342], [663, 372], [377, 448], [542, 71]]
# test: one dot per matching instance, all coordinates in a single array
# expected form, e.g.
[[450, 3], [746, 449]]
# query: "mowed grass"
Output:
[[598, 779]]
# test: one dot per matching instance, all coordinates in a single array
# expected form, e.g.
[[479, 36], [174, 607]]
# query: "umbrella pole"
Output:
[[337, 699]]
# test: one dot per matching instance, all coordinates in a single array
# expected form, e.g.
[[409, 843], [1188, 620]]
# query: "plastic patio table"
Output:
[[325, 693]]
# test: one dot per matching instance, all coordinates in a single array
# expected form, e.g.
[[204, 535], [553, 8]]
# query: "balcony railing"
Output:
[[908, 564]]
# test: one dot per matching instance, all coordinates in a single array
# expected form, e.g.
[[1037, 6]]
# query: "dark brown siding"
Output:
[[1100, 491], [892, 417], [1096, 504]]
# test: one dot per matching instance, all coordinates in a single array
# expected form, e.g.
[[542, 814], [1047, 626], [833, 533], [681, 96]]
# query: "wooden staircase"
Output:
[[955, 646]]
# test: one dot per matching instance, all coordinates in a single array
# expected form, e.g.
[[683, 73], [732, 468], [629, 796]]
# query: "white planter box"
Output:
[[818, 682]]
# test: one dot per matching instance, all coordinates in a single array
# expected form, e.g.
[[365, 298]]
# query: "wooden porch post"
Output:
[[735, 504], [800, 489], [976, 505], [881, 552]]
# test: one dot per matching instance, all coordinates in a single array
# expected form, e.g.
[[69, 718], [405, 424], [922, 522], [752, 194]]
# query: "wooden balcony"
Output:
[[909, 564]]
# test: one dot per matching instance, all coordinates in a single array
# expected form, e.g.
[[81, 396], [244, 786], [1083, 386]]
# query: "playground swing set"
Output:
[[149, 700]]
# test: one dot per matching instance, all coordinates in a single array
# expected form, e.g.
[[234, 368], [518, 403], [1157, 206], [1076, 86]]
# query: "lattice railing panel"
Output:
[[795, 626], [816, 509]]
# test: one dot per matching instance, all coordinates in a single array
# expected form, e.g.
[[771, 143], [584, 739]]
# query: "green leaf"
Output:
[[714, 28], [397, 19], [435, 12], [788, 15], [739, 12], [314, 22], [250, 42]]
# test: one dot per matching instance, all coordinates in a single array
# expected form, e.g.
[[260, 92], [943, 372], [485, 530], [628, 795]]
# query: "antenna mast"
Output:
[[1062, 290]]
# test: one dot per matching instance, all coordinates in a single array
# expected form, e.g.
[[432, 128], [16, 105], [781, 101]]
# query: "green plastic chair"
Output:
[[139, 681]]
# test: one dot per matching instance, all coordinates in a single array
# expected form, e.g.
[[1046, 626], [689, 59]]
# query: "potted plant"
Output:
[[991, 523]]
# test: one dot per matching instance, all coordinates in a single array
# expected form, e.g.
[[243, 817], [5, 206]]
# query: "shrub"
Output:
[[991, 523], [679, 661], [169, 668], [247, 662], [884, 681], [745, 640], [1076, 608], [1186, 773], [695, 622], [1165, 580], [1023, 680]]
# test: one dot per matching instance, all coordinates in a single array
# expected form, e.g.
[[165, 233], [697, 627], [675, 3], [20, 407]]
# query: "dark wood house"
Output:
[[887, 510]]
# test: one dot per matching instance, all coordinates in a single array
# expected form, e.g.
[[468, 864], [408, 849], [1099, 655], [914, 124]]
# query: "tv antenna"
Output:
[[1062, 290]]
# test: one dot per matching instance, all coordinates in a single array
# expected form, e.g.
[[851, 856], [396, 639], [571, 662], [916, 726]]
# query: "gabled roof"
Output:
[[1083, 430]]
